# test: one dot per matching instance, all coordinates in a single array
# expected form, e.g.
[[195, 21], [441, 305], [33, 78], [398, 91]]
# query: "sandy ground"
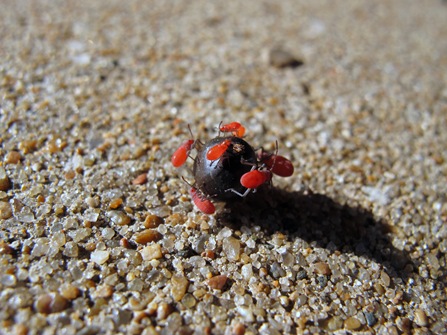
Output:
[[98, 233]]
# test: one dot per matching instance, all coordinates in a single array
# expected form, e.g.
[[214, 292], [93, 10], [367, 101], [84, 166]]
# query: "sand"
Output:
[[98, 234]]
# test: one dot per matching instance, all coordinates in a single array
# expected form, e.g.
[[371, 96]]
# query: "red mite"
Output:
[[227, 167], [181, 154]]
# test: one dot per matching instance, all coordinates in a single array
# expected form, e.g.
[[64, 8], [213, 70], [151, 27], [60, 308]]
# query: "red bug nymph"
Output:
[[228, 166]]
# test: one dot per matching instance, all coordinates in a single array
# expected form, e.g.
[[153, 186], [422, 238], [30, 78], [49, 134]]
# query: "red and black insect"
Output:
[[227, 166]]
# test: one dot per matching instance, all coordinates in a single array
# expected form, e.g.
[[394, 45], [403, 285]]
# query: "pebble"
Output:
[[175, 219], [238, 329], [27, 146], [370, 319], [5, 210], [108, 233], [433, 261], [71, 249], [179, 286], [8, 280], [404, 325], [151, 252], [5, 248], [124, 242], [115, 203], [302, 274], [69, 175], [13, 157], [420, 318], [152, 221], [104, 291], [99, 256], [140, 179], [139, 304], [92, 202], [379, 288], [163, 310], [335, 323], [352, 323], [208, 254], [385, 278], [50, 303], [277, 271], [5, 184], [118, 217], [322, 268], [147, 236], [69, 291], [232, 248], [189, 301], [217, 282], [21, 329], [281, 58]]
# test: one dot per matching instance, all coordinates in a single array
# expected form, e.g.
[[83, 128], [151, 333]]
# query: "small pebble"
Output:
[[12, 157], [322, 281], [163, 310], [385, 278], [208, 254], [92, 201], [141, 179], [99, 256], [119, 218], [152, 221], [5, 248], [147, 236], [50, 303], [352, 323], [152, 251], [370, 319], [8, 280], [420, 318], [379, 288], [5, 184], [277, 271], [433, 261], [69, 291], [137, 304], [21, 329], [189, 301], [335, 323], [179, 287], [115, 203], [217, 282], [281, 58], [5, 210], [175, 219], [71, 249], [263, 272], [302, 274], [124, 242], [231, 247], [104, 291], [69, 175], [404, 325], [108, 233], [238, 329], [28, 146], [322, 268]]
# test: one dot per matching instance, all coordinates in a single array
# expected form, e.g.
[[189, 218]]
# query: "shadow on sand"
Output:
[[316, 218]]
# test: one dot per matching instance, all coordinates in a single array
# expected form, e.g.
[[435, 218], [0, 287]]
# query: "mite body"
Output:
[[227, 167]]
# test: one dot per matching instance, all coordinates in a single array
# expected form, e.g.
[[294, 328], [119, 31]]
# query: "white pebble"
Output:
[[99, 257], [231, 248]]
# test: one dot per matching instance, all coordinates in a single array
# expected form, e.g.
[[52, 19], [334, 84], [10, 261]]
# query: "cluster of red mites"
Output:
[[228, 166]]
